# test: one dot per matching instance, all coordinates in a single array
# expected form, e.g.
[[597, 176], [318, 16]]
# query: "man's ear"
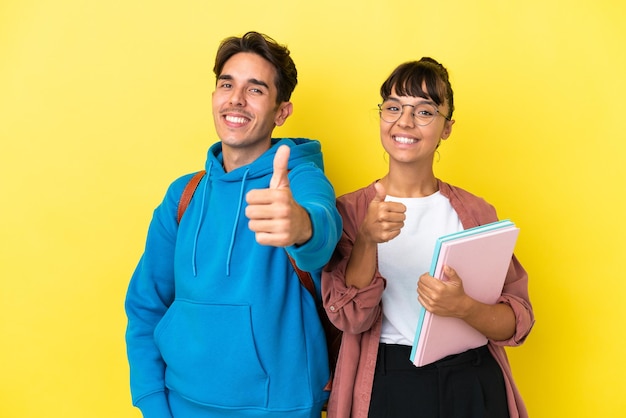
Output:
[[285, 109]]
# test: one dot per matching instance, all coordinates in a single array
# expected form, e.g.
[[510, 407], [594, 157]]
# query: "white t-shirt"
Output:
[[405, 258]]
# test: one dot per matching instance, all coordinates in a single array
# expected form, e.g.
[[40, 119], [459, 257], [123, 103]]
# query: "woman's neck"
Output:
[[401, 182]]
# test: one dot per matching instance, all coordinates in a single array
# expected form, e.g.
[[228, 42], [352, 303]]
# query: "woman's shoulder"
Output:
[[450, 190], [359, 196], [353, 206], [467, 203]]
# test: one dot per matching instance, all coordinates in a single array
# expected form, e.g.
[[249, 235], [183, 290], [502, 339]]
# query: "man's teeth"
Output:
[[404, 140], [234, 119]]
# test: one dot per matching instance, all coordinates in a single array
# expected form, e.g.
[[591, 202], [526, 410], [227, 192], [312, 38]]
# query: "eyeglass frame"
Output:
[[415, 118]]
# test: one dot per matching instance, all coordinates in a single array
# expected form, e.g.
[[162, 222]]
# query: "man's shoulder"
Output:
[[183, 180], [303, 151], [176, 187]]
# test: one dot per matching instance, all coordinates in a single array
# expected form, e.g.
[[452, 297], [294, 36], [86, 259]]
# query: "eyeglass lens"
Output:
[[423, 113]]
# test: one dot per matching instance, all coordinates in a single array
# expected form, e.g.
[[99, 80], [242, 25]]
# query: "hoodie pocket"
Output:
[[211, 355]]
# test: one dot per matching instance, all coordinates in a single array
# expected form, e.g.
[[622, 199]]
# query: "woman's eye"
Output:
[[424, 112]]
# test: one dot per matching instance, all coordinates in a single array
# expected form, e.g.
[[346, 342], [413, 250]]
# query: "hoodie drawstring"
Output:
[[237, 215], [234, 231], [195, 239]]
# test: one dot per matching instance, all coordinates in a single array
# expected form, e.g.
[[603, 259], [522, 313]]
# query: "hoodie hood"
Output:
[[302, 150]]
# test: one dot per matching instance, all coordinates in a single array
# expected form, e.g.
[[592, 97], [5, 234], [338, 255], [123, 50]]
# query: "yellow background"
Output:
[[103, 103]]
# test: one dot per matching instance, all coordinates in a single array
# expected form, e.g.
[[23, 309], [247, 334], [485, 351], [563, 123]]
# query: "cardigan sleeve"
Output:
[[515, 294], [474, 211], [350, 309]]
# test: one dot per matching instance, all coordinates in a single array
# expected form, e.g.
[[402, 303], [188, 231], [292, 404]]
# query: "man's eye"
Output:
[[226, 85], [392, 109], [256, 91]]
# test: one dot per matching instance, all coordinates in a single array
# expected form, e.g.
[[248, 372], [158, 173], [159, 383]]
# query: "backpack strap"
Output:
[[188, 192], [305, 278], [183, 203]]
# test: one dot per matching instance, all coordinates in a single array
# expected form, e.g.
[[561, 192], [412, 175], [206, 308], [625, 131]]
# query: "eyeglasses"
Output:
[[423, 113]]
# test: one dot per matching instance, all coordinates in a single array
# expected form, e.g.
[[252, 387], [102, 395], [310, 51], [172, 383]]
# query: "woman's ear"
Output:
[[447, 129]]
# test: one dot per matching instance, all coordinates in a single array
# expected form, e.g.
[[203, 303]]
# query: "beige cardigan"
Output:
[[358, 311]]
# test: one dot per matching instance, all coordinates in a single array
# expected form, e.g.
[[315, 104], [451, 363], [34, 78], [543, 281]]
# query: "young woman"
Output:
[[390, 229]]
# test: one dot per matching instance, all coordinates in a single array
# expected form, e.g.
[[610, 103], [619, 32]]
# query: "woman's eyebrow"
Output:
[[420, 100]]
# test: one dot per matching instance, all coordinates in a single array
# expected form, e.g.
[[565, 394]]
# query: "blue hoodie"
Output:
[[219, 325]]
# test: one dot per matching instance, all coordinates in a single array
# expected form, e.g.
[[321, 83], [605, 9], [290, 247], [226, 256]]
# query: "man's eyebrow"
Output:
[[251, 80], [258, 82]]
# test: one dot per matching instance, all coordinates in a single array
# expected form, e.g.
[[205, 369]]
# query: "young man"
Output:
[[218, 322]]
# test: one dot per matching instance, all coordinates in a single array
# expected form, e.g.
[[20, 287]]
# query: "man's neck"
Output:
[[233, 157]]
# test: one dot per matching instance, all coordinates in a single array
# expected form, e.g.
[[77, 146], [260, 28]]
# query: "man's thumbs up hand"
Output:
[[281, 160], [274, 216]]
